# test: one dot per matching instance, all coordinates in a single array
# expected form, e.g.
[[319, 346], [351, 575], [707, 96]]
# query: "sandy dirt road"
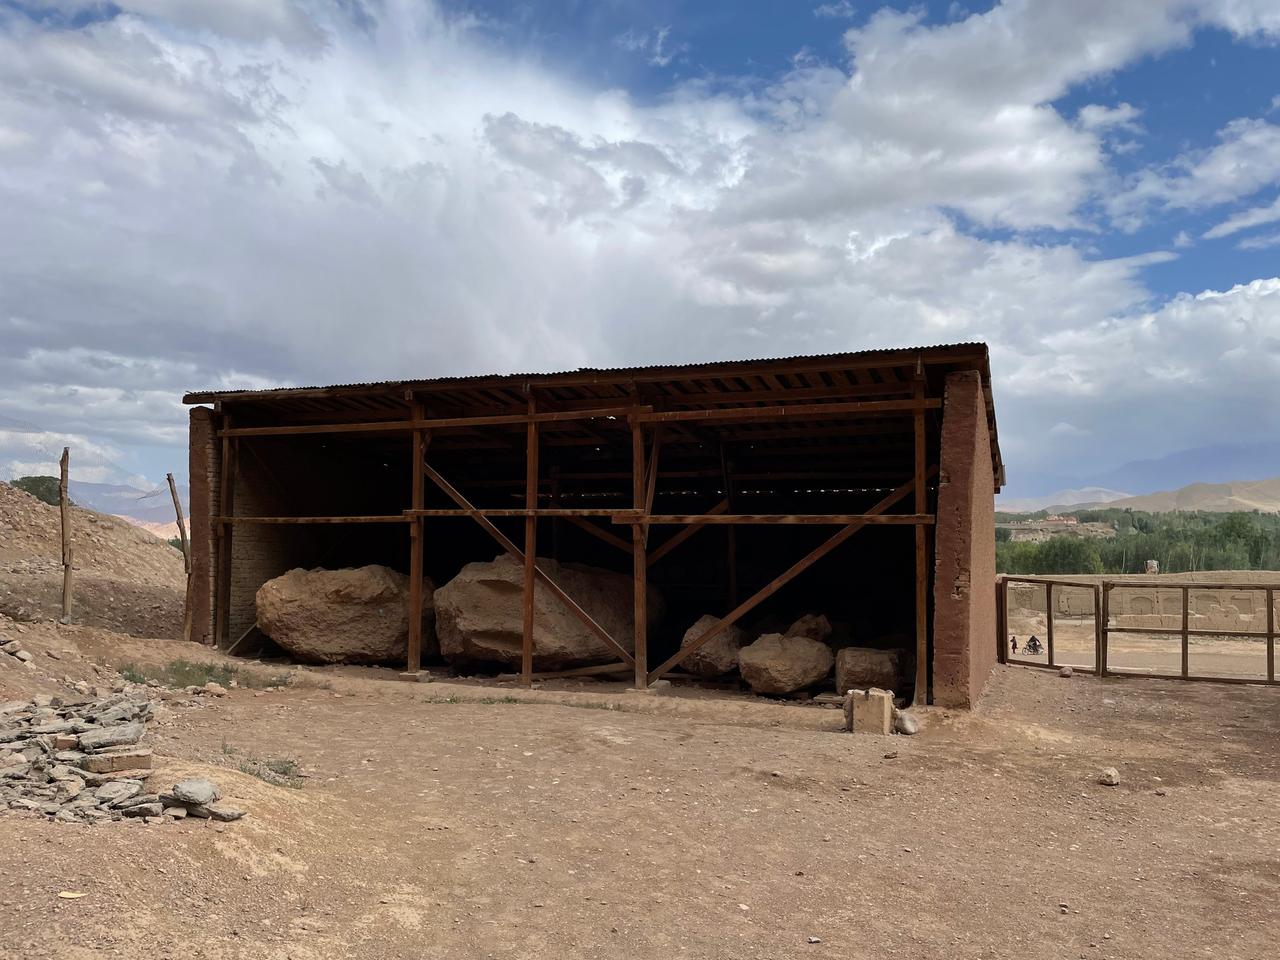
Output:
[[552, 824]]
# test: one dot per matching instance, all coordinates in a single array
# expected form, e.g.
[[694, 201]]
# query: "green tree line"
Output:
[[1181, 542]]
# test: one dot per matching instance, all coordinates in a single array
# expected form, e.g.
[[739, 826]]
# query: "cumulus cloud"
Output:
[[241, 194]]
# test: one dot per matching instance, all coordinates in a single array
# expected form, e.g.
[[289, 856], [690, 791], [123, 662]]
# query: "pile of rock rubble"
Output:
[[84, 762]]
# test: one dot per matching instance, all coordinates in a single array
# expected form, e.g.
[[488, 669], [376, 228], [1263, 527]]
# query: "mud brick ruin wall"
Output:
[[964, 617]]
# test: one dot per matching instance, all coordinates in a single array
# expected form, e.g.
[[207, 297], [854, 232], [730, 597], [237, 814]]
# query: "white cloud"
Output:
[[1262, 242], [839, 10], [1246, 159], [1253, 217], [206, 203]]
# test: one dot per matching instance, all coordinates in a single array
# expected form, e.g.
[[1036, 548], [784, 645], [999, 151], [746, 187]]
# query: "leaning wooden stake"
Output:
[[186, 557], [182, 524], [64, 504]]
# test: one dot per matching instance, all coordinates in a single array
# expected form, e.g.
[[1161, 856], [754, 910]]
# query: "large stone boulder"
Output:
[[717, 656], [480, 614], [358, 615], [815, 626], [779, 664], [860, 668]]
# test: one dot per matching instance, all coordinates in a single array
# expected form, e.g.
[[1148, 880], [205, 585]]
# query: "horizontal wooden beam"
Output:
[[397, 518], [815, 411], [839, 519], [401, 426], [567, 513]]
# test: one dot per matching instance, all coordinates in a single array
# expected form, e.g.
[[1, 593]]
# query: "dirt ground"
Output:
[[452, 820]]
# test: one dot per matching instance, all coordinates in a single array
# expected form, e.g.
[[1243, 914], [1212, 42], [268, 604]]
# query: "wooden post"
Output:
[[530, 545], [64, 511], [186, 557], [1103, 633], [1002, 618], [1097, 630], [417, 497], [1271, 635], [640, 566], [1048, 608], [1186, 635], [182, 524], [922, 569]]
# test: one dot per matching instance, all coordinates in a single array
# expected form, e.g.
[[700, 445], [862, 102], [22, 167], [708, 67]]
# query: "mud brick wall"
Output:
[[204, 464], [260, 552], [964, 618]]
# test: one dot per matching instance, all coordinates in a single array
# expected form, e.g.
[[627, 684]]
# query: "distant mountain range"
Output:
[[1243, 495], [144, 507], [1216, 464], [1058, 500]]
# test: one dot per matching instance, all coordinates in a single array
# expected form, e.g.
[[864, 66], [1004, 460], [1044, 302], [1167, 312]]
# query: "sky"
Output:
[[206, 194]]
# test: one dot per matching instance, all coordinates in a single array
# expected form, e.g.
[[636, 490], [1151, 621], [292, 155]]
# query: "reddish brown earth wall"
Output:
[[964, 617], [203, 468]]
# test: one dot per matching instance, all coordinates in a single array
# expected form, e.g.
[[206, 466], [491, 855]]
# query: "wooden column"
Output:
[[64, 512], [1048, 621], [1271, 634], [1186, 635], [731, 565], [640, 566], [1104, 634], [922, 554], [530, 545], [417, 497]]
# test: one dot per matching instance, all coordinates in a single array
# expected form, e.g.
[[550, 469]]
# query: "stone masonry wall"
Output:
[[964, 619]]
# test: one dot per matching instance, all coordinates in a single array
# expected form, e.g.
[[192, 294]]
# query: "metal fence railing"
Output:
[[1250, 659]]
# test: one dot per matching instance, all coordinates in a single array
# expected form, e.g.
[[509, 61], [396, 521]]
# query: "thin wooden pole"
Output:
[[1271, 635], [182, 524], [731, 544], [530, 545], [1002, 620], [1103, 629], [642, 499], [922, 571], [1097, 630], [1048, 607], [64, 511], [417, 498], [186, 557], [1186, 636]]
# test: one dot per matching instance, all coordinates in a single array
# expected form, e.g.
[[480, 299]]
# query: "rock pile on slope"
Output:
[[84, 762]]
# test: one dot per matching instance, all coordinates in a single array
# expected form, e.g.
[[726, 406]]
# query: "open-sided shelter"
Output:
[[859, 485]]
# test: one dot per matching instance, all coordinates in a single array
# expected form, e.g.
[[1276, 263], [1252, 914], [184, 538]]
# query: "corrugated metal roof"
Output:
[[207, 396]]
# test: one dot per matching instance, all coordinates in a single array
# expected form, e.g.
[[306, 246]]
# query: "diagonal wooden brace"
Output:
[[839, 537], [668, 545], [516, 552]]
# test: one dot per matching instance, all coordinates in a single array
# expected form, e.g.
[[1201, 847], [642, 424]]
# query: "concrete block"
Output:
[[869, 711]]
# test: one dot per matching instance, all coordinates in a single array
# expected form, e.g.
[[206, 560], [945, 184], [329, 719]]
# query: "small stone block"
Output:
[[869, 711], [415, 676], [138, 759]]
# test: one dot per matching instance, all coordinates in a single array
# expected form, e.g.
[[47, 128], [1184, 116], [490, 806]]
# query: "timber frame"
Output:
[[600, 449]]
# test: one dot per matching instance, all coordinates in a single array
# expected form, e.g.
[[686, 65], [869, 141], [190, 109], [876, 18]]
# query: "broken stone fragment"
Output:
[[144, 810], [112, 736], [118, 790], [209, 812], [195, 791]]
